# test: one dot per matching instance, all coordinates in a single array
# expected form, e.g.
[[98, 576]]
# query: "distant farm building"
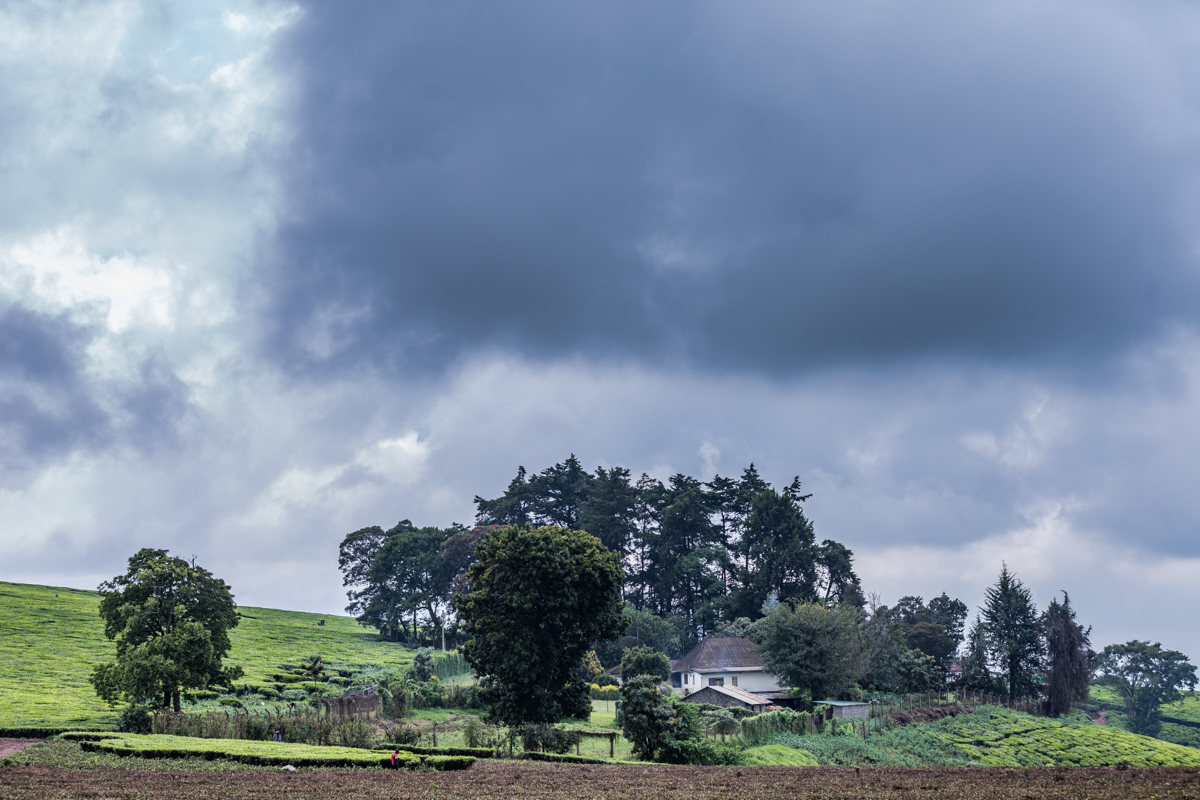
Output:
[[844, 709], [728, 697], [731, 662]]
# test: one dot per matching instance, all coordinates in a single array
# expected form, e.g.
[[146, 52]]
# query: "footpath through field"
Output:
[[496, 780]]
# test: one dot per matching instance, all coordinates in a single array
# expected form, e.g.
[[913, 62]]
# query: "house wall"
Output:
[[752, 682]]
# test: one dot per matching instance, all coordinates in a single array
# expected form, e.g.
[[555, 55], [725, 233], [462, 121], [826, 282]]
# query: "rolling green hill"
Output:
[[51, 637]]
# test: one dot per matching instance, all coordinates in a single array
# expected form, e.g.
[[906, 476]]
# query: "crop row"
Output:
[[259, 753], [999, 737]]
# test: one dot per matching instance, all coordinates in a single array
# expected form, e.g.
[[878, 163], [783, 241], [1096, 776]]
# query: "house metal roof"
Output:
[[736, 694], [840, 703], [734, 653]]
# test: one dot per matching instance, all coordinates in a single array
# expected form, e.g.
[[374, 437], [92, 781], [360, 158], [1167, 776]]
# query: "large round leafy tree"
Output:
[[171, 622], [538, 599]]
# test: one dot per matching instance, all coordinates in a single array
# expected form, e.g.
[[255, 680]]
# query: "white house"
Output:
[[729, 661]]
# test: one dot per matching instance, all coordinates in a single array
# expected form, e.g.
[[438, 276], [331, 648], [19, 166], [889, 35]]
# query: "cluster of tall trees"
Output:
[[694, 554], [706, 552]]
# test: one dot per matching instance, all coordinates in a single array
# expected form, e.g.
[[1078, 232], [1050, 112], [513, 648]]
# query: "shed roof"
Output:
[[840, 703], [731, 652], [736, 693]]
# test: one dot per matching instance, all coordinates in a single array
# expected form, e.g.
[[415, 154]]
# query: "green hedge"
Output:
[[475, 752], [536, 756], [88, 736], [264, 753], [32, 733]]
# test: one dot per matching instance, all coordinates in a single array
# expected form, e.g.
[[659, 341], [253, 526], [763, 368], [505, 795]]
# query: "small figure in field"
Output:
[[278, 737], [395, 758]]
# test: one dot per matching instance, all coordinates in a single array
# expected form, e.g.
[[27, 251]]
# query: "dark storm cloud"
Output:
[[46, 408], [50, 406], [772, 187]]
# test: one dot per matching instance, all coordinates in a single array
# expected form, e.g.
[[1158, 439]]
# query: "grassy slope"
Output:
[[50, 638]]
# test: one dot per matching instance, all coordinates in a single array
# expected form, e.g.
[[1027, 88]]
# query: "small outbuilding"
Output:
[[842, 709], [728, 697]]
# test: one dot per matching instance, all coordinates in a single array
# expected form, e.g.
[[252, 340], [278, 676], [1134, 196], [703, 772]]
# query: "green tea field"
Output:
[[51, 637]]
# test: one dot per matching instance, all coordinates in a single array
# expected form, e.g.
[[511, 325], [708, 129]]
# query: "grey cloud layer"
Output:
[[936, 259], [769, 187]]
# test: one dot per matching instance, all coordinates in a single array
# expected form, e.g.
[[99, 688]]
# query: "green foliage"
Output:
[[591, 667], [51, 637], [766, 727], [646, 718], [645, 661], [134, 719], [999, 737], [778, 754], [1069, 658], [422, 667], [538, 599], [547, 738], [171, 623], [812, 647], [1013, 633], [1146, 676], [264, 753], [935, 629], [696, 751]]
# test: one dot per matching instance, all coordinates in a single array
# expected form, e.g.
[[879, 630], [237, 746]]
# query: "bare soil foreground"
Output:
[[523, 780], [10, 746]]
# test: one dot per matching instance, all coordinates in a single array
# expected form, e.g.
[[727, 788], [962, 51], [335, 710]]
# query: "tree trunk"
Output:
[[166, 698], [175, 701]]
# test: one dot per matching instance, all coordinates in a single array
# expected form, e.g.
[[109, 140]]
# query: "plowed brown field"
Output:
[[552, 782]]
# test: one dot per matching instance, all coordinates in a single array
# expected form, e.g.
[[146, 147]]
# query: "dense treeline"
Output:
[[696, 554], [706, 552]]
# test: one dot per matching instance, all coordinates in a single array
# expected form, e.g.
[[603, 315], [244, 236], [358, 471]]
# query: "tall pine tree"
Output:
[[1014, 633]]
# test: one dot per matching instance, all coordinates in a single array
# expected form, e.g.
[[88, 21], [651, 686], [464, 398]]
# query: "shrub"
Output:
[[604, 679], [134, 719], [696, 751], [564, 759], [548, 738], [231, 702]]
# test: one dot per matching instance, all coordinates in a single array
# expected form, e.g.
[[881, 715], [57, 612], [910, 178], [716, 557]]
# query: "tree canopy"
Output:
[[538, 598], [405, 575], [1013, 630], [1146, 676], [813, 647], [701, 552], [171, 621], [1069, 657]]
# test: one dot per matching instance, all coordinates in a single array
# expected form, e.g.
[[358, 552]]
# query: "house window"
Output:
[[716, 681], [734, 679]]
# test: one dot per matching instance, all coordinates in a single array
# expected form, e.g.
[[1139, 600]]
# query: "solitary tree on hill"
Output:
[[170, 620]]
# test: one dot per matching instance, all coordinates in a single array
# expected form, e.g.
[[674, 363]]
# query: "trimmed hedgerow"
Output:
[[265, 753], [563, 759], [474, 752]]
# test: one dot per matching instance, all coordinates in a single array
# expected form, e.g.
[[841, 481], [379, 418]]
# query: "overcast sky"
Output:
[[270, 273]]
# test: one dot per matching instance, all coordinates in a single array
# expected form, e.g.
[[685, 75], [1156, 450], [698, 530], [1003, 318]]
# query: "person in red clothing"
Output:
[[395, 758]]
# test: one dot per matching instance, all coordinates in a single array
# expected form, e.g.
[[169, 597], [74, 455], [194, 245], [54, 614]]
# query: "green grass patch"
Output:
[[50, 638], [771, 754]]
